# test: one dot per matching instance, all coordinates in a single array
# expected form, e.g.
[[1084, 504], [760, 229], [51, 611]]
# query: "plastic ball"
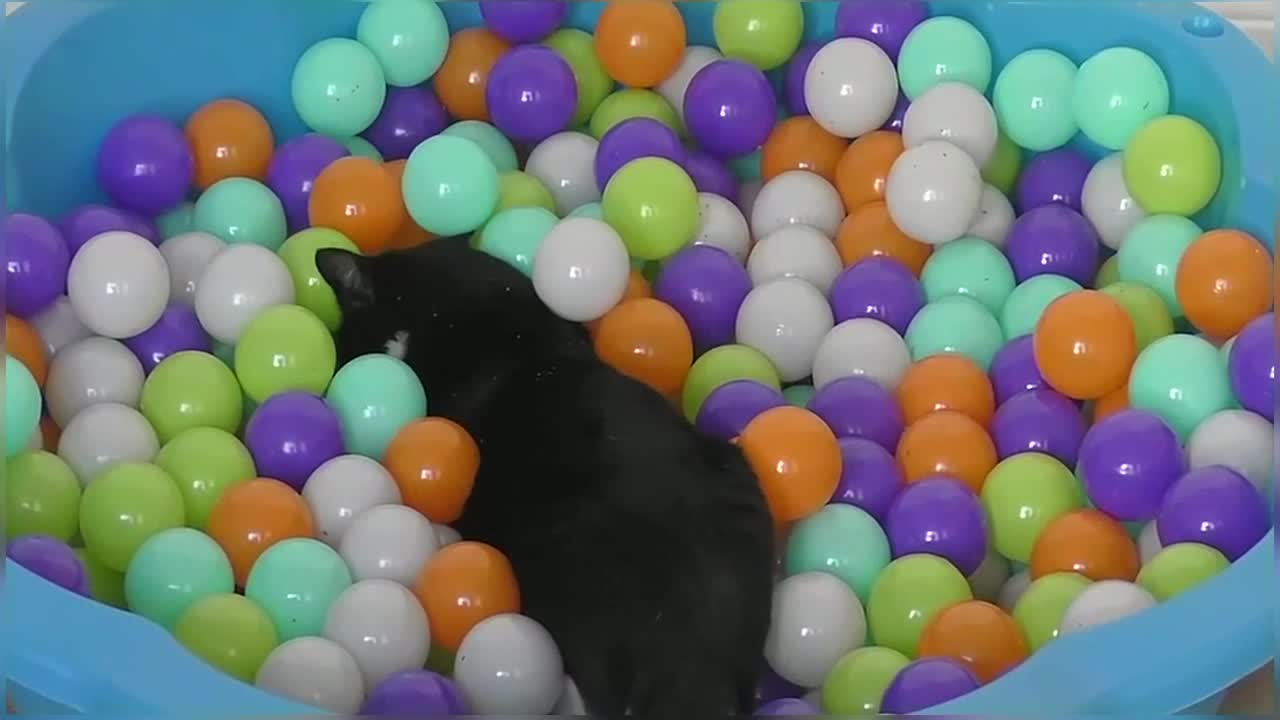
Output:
[[1040, 609], [933, 192], [123, 507], [57, 326], [236, 286], [374, 396], [1053, 239], [1054, 177], [1181, 378], [228, 631], [517, 189], [494, 144], [1005, 165], [462, 585], [1150, 316], [794, 251], [172, 571], [291, 434], [1252, 366], [796, 197], [1152, 253], [25, 344], [1015, 586], [817, 619], [1024, 307], [414, 692], [653, 205], [982, 636], [969, 266], [994, 218], [175, 221], [796, 458], [633, 139], [450, 185], [433, 463], [863, 168], [722, 225], [342, 488], [729, 108], [204, 462], [1179, 568], [946, 382], [859, 407], [565, 163], [1085, 344], [711, 175], [927, 682], [877, 287], [788, 707], [315, 671], [765, 33], [870, 232], [338, 87], [944, 49], [254, 515], [87, 372], [955, 323], [228, 138], [939, 516], [956, 113], [177, 330], [862, 347], [51, 559], [359, 199], [118, 284], [885, 24], [646, 339], [293, 171], [858, 681], [1104, 602], [1088, 542], [408, 38], [187, 255], [1128, 461], [1107, 202], [910, 592], [1213, 506], [1117, 92], [296, 581], [706, 286], [578, 49], [1022, 495], [1041, 421], [191, 389], [850, 87], [720, 365], [1224, 280], [674, 87], [41, 495], [104, 435], [89, 221], [732, 405], [842, 540], [1173, 165], [145, 164], [990, 576], [509, 664], [799, 143], [531, 93], [284, 348], [393, 542], [241, 210], [632, 103], [580, 269], [1236, 439], [461, 79], [1033, 95], [640, 43], [947, 442]]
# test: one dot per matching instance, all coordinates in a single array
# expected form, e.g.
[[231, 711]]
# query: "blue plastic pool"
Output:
[[76, 67]]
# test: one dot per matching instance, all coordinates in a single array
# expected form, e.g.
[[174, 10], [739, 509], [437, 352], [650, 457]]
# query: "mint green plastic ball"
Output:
[[1028, 301], [338, 87], [514, 235], [747, 168], [450, 185], [969, 266], [1116, 92], [285, 347], [359, 147], [593, 210], [944, 49], [242, 210], [22, 405], [490, 139], [1181, 378], [764, 33], [955, 324], [1151, 252], [843, 540], [177, 221], [799, 395], [295, 581], [374, 396], [408, 37], [172, 571], [1032, 99]]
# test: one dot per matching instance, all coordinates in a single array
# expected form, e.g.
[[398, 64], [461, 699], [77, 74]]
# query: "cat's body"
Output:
[[642, 545]]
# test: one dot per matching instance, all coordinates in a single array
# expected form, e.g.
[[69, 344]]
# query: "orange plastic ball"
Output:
[[461, 79], [1085, 344], [434, 463], [461, 585], [1111, 403], [24, 343], [1224, 281], [870, 232], [796, 458], [978, 634], [357, 197], [648, 340], [637, 288], [254, 515], [946, 382], [1088, 542], [947, 442], [410, 234], [229, 138], [863, 169], [800, 143], [640, 42]]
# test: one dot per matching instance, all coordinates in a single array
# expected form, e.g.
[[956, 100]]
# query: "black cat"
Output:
[[643, 545]]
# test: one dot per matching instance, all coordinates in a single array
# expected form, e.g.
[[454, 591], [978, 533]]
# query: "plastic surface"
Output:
[[1177, 656]]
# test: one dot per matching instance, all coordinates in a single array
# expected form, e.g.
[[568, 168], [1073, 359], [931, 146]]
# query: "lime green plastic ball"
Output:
[[1002, 169], [374, 396], [310, 290], [295, 581], [177, 221], [969, 266], [944, 49], [955, 324], [518, 189], [22, 403], [1179, 568], [799, 395], [720, 365], [856, 683], [1109, 273], [172, 571], [228, 631], [578, 48], [1118, 91], [1151, 252], [906, 596], [41, 496], [285, 347], [514, 235], [765, 33], [408, 37], [1181, 378], [190, 389], [105, 585], [1028, 301], [842, 540], [631, 103], [359, 147], [593, 210], [1022, 495], [1040, 609], [1151, 318], [1032, 99], [242, 210], [123, 507], [450, 185], [338, 87], [204, 463], [490, 139], [1173, 165], [653, 205]]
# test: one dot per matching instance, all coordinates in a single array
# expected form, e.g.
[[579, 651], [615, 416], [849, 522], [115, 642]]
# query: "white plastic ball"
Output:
[[674, 87], [581, 269], [785, 319], [1107, 203], [990, 576], [1149, 544], [994, 218], [1013, 590], [862, 347], [239, 283], [382, 625], [89, 371], [316, 671], [956, 113], [509, 665], [58, 326], [342, 488], [1103, 602], [104, 435], [187, 255], [797, 197], [851, 87], [570, 702], [118, 284], [565, 164], [817, 619], [795, 251], [1238, 439], [721, 224], [390, 542], [445, 535], [933, 192]]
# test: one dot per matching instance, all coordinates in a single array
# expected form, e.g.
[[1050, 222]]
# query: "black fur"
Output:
[[643, 545]]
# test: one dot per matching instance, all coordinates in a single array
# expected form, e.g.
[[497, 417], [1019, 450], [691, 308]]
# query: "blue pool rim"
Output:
[[62, 652]]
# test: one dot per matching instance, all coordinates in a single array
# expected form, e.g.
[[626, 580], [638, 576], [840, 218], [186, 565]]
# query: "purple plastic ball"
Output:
[[88, 221], [896, 117], [1054, 177], [706, 285], [1040, 421], [883, 22], [291, 434], [636, 138], [711, 175], [880, 288], [771, 686], [145, 164], [1013, 369], [531, 93], [1252, 366], [1214, 506], [178, 329], [927, 682], [857, 407], [730, 108], [409, 115], [797, 66], [939, 516], [786, 707], [414, 693], [293, 171], [523, 21], [36, 261], [1053, 240], [728, 409], [51, 559], [1128, 461], [870, 477]]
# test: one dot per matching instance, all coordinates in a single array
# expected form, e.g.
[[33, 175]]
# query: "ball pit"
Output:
[[892, 306]]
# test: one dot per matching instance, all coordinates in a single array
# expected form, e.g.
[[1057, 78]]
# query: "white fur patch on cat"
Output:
[[398, 345]]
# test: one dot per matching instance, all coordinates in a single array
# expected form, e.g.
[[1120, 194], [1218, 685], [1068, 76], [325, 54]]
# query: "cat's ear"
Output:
[[349, 274]]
